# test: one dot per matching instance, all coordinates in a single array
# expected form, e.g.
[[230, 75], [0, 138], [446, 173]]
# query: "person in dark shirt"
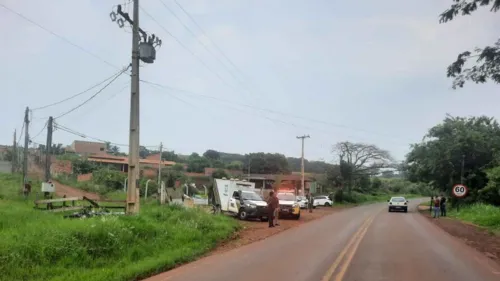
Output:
[[443, 206], [272, 205]]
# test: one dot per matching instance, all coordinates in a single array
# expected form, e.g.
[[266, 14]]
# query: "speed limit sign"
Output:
[[459, 190]]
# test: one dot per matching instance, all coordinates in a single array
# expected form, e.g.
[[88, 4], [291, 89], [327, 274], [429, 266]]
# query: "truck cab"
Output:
[[247, 204]]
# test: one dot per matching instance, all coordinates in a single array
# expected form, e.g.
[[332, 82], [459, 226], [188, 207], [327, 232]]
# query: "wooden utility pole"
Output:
[[160, 164], [26, 144], [14, 154], [48, 149]]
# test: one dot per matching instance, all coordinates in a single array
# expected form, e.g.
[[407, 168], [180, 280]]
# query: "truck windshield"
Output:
[[286, 196], [250, 196]]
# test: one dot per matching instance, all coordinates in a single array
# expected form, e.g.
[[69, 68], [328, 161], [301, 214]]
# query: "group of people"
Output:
[[438, 206]]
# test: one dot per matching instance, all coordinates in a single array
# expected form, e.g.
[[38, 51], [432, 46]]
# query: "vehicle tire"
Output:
[[390, 210], [406, 210], [314, 207], [327, 204], [263, 219], [296, 217], [242, 215]]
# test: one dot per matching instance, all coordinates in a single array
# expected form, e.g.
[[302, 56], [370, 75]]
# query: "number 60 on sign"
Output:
[[459, 190]]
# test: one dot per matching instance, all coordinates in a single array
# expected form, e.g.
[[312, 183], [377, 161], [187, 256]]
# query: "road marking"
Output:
[[353, 250], [328, 275]]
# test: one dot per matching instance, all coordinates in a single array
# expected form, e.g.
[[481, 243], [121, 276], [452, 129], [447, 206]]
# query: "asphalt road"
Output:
[[360, 244]]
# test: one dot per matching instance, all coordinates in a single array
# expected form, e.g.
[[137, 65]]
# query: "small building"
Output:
[[86, 148]]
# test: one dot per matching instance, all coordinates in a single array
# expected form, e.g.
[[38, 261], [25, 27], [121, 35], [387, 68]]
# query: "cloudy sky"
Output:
[[364, 71]]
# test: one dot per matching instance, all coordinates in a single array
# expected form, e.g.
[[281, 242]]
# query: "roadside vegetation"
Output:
[[35, 245], [480, 214]]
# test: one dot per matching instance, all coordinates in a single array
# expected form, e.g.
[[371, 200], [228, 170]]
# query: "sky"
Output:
[[359, 71]]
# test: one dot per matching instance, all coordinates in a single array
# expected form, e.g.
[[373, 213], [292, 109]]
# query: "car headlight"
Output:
[[250, 205]]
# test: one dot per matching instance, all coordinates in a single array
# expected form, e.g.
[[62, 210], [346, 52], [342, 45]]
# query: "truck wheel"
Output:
[[296, 217], [263, 219], [242, 215], [327, 204]]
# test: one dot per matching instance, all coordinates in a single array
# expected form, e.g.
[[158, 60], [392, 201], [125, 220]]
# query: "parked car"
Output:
[[302, 201], [322, 200], [288, 205]]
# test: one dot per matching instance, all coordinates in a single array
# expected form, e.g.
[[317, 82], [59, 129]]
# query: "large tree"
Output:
[[473, 142], [487, 65], [358, 160], [266, 163]]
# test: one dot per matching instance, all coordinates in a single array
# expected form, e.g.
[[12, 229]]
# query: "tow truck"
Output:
[[238, 198]]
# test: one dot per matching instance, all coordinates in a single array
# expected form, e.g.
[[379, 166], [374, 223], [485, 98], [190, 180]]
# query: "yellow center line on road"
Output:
[[357, 236], [353, 250]]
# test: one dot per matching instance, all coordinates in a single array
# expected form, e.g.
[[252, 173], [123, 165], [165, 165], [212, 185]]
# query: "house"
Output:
[[86, 148], [122, 162]]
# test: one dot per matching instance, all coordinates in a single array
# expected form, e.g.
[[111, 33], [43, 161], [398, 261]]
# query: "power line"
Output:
[[199, 41], [79, 94], [37, 134], [21, 135], [205, 34], [82, 135], [266, 110], [93, 96], [187, 49], [58, 36]]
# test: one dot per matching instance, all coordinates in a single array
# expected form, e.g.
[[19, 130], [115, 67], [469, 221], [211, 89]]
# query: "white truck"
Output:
[[239, 198]]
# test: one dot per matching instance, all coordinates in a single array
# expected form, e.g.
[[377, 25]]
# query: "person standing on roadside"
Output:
[[431, 205], [437, 203], [442, 206], [272, 206]]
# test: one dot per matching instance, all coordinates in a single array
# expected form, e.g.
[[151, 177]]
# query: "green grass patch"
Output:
[[36, 245], [479, 214]]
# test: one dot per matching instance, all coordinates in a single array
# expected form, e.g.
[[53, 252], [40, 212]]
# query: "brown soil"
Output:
[[253, 231], [479, 238], [37, 172]]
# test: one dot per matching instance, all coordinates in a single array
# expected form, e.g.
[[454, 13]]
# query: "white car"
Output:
[[302, 201], [398, 204], [322, 200]]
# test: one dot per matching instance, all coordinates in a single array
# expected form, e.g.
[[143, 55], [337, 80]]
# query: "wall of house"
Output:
[[84, 177], [61, 167]]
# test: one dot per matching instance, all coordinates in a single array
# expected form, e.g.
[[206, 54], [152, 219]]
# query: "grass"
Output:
[[35, 245], [362, 198], [480, 214]]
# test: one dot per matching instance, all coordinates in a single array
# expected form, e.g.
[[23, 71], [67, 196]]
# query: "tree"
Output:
[[197, 164], [266, 163], [169, 156], [144, 152], [178, 167], [438, 160], [487, 59], [358, 159], [212, 155], [219, 174], [235, 166]]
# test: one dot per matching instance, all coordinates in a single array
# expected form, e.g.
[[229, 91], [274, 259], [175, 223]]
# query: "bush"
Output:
[[36, 245], [480, 214], [110, 179]]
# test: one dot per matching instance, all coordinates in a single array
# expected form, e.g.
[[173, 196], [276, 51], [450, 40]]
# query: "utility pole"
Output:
[[302, 182], [143, 48], [133, 153], [26, 143], [48, 149], [14, 154], [160, 165]]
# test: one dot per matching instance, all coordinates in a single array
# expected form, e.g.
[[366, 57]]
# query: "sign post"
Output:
[[459, 191]]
